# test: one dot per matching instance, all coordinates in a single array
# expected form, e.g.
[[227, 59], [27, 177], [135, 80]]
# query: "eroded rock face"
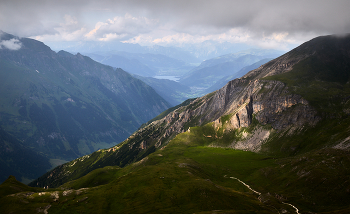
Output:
[[271, 103], [281, 109], [252, 143]]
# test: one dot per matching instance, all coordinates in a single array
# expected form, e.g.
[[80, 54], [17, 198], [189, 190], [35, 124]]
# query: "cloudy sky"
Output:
[[266, 23]]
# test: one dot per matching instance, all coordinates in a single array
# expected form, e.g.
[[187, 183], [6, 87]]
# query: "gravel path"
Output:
[[296, 209]]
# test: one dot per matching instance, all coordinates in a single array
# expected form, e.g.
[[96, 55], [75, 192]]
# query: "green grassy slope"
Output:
[[177, 179]]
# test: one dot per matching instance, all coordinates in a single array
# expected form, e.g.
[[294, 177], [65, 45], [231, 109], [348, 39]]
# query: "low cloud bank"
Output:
[[12, 44]]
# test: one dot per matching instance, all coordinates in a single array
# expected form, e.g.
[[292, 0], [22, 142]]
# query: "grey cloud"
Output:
[[12, 44], [257, 16], [266, 16], [35, 17], [126, 27]]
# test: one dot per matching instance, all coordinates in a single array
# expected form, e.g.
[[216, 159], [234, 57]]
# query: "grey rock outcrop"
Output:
[[269, 101]]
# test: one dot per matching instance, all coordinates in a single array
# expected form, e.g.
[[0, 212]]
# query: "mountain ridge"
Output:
[[286, 61], [64, 105]]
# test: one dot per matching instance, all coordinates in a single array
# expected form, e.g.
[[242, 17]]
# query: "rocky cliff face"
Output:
[[267, 100]]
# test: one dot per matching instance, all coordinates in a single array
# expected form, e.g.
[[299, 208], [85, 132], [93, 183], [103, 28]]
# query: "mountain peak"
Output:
[[6, 36], [11, 178], [323, 49], [65, 53]]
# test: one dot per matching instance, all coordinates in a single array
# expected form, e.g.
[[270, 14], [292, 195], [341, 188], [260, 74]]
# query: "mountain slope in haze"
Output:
[[274, 141], [233, 56], [222, 82], [64, 106], [132, 66], [142, 64], [173, 92], [164, 65], [111, 47], [174, 52], [211, 49], [189, 53], [212, 70]]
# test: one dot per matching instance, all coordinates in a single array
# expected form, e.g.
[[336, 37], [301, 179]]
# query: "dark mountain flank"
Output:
[[273, 141], [173, 92], [18, 160], [65, 106]]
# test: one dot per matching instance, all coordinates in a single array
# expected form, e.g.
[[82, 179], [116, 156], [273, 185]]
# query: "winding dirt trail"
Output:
[[246, 185], [259, 193], [296, 209]]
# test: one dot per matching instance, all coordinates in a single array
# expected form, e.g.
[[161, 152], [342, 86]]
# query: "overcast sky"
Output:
[[266, 23]]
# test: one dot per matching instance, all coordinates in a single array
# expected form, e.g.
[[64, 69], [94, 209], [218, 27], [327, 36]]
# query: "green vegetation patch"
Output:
[[12, 186], [328, 132], [220, 163], [95, 178], [315, 181], [324, 83]]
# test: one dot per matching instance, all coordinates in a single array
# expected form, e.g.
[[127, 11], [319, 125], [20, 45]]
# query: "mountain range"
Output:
[[63, 106], [273, 141], [110, 48], [189, 53], [212, 70], [143, 64]]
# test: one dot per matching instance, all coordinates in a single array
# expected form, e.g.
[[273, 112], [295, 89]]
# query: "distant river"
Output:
[[174, 78]]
